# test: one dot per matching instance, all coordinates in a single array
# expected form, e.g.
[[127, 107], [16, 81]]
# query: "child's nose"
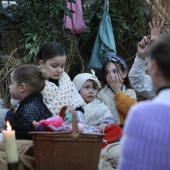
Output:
[[91, 90], [58, 69]]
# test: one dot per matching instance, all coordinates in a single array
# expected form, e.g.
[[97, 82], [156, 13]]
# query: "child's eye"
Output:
[[115, 71], [54, 66], [86, 87], [94, 88]]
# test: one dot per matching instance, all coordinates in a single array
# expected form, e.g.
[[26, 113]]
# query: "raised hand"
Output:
[[155, 28], [142, 47]]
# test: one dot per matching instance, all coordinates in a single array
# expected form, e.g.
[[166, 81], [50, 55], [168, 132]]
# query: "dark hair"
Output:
[[120, 65], [160, 52], [50, 50], [32, 76], [94, 83]]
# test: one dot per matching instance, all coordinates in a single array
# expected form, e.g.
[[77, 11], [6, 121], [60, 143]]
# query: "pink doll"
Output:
[[61, 123]]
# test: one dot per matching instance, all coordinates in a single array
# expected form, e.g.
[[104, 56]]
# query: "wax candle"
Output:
[[10, 145]]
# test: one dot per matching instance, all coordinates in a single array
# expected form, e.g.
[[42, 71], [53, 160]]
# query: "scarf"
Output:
[[95, 112], [55, 97], [107, 96]]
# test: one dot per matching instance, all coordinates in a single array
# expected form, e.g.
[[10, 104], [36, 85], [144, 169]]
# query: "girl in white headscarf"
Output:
[[97, 116]]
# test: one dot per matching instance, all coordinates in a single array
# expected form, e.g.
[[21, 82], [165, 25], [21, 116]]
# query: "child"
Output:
[[145, 143], [27, 81], [115, 94], [141, 81], [59, 90], [97, 116]]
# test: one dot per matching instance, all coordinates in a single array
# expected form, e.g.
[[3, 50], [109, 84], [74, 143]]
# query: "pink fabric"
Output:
[[55, 121], [76, 24]]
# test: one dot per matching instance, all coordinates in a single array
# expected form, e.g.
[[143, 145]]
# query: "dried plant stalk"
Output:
[[7, 64]]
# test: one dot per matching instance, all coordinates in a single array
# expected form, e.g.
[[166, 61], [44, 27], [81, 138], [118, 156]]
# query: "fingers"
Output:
[[152, 23], [117, 80], [113, 80], [109, 80], [159, 24], [156, 24], [162, 23], [155, 28], [35, 124], [101, 129], [144, 42]]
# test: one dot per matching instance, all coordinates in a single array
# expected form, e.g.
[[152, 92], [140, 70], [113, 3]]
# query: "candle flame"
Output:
[[8, 126]]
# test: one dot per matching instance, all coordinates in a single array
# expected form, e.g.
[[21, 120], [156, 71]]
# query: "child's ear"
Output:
[[22, 87], [41, 63]]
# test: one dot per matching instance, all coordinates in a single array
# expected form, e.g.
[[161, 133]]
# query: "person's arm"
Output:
[[140, 81]]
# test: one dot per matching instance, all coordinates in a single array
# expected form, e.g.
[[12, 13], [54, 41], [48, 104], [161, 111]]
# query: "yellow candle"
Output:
[[10, 145]]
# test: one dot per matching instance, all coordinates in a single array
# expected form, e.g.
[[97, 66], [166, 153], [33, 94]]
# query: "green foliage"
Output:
[[127, 16], [128, 21], [38, 21]]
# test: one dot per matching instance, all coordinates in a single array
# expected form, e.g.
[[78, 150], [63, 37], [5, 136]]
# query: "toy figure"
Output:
[[59, 123]]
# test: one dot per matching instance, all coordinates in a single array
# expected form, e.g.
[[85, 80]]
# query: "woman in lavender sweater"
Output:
[[146, 140]]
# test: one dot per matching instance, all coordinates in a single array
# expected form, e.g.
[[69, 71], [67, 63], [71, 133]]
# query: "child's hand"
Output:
[[115, 84], [35, 124], [102, 127], [142, 47], [155, 28]]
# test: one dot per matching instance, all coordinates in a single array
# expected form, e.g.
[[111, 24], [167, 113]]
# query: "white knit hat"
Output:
[[80, 79]]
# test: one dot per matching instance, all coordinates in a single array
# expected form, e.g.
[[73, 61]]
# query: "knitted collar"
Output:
[[95, 112], [55, 97]]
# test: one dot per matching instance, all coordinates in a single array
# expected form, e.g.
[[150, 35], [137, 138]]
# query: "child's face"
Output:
[[55, 66], [113, 72], [14, 89], [88, 91]]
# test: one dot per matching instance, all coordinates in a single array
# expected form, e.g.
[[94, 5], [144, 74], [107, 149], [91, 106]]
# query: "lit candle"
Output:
[[10, 146]]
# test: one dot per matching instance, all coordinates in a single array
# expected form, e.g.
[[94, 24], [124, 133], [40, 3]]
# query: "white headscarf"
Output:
[[80, 79]]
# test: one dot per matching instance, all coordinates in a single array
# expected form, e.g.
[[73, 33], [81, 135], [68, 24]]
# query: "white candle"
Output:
[[10, 145]]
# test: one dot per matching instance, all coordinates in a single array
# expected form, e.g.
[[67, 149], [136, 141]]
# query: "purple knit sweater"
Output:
[[146, 140]]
